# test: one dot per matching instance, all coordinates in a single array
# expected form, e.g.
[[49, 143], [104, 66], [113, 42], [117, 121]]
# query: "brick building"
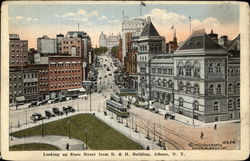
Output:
[[18, 51], [72, 46], [65, 72]]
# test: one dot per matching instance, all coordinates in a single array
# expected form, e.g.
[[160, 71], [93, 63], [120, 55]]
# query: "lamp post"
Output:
[[26, 117], [69, 128], [42, 129], [86, 137]]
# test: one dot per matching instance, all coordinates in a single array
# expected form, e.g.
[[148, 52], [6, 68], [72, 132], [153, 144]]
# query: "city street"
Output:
[[172, 133]]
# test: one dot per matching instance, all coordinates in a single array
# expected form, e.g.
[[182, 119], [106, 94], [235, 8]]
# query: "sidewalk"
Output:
[[58, 141], [127, 131]]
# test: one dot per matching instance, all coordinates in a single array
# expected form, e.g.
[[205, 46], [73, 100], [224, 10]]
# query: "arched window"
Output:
[[237, 89], [164, 82], [188, 87], [196, 89], [232, 72], [188, 71], [181, 86], [218, 89], [230, 104], [237, 72], [196, 105], [230, 88], [216, 105], [211, 89], [218, 68], [211, 68], [180, 71], [181, 102], [238, 103], [197, 72], [159, 82]]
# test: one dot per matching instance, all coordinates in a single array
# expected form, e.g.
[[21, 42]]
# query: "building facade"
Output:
[[18, 51], [102, 40], [46, 45], [199, 80], [64, 72], [72, 46]]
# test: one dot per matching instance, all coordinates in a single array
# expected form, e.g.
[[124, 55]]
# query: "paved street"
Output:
[[174, 134]]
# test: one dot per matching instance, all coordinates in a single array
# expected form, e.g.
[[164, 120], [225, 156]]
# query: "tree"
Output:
[[114, 51], [100, 50]]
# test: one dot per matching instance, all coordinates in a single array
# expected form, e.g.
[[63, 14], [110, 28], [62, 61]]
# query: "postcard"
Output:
[[124, 80]]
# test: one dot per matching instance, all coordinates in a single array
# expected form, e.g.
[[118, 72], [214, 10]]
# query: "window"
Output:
[[170, 84], [230, 88], [180, 86], [181, 102], [211, 68], [219, 89], [237, 72], [232, 72], [230, 103], [211, 89], [238, 103], [218, 68], [196, 89], [196, 105], [188, 71], [237, 89], [180, 71], [196, 72], [188, 88], [216, 105]]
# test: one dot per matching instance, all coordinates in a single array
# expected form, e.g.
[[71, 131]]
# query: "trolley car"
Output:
[[116, 98], [117, 108]]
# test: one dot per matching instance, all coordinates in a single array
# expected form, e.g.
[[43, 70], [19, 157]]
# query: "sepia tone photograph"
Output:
[[124, 80]]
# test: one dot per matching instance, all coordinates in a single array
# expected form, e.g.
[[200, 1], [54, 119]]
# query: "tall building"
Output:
[[130, 25], [86, 50], [18, 51], [150, 43], [102, 40], [72, 46], [46, 45]]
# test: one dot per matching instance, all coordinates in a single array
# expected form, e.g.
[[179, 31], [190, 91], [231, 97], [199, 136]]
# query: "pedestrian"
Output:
[[67, 146], [202, 135], [147, 148], [215, 127]]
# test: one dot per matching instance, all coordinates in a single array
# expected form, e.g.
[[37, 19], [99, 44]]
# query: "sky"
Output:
[[31, 21]]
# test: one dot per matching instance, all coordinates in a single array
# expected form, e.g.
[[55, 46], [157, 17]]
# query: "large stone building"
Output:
[[109, 41], [102, 40], [18, 51], [199, 80], [150, 43]]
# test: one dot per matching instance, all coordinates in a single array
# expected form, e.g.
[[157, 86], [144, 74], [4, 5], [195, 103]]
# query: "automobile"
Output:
[[110, 74], [105, 76], [68, 109], [108, 69], [49, 114], [57, 112], [100, 77], [36, 117], [63, 99]]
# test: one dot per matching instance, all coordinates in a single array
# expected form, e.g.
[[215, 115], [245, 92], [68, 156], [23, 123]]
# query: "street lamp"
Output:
[[42, 129], [86, 137], [69, 128], [26, 117]]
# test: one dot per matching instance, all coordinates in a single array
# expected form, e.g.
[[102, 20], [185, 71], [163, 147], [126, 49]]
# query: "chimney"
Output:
[[148, 19]]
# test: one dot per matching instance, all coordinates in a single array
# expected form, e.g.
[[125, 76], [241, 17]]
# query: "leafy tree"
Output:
[[114, 51], [100, 50]]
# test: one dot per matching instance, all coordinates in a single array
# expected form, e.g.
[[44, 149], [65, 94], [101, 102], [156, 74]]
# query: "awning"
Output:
[[77, 89], [80, 96], [19, 99]]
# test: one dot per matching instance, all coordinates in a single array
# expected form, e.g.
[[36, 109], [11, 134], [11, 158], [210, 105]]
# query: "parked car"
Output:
[[36, 117], [49, 114], [56, 111], [68, 109], [63, 99]]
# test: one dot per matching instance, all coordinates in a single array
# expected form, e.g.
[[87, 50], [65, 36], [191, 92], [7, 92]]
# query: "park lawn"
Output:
[[100, 136], [33, 146]]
